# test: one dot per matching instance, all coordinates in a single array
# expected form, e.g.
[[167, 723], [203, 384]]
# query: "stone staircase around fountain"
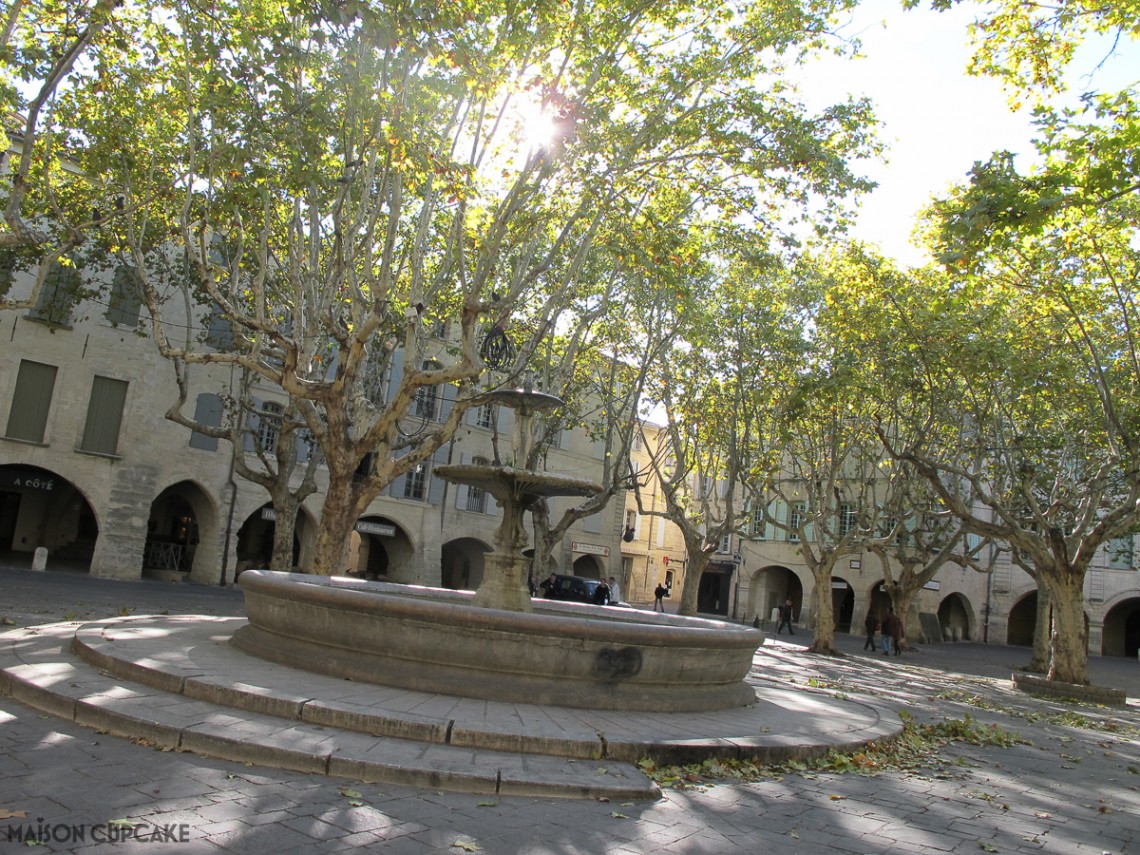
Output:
[[177, 684]]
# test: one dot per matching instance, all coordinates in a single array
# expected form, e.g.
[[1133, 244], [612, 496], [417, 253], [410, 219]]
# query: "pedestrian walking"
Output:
[[659, 594], [871, 624], [785, 617], [898, 632], [891, 631], [885, 636]]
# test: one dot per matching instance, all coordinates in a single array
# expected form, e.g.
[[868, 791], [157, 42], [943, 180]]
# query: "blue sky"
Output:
[[937, 120]]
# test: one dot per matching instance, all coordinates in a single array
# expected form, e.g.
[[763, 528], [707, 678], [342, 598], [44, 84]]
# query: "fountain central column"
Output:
[[504, 577], [516, 490]]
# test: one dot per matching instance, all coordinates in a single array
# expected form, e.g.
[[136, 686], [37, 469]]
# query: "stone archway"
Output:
[[768, 587], [39, 508], [1022, 621], [255, 538], [1120, 635], [381, 550], [587, 567], [181, 534], [461, 563], [842, 604], [956, 619]]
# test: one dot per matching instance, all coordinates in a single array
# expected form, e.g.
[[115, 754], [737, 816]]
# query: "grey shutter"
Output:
[[58, 294], [446, 400], [125, 301], [593, 523], [208, 411], [31, 401], [461, 490], [397, 375], [104, 415], [436, 484]]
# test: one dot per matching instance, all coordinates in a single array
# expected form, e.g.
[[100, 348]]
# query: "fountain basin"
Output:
[[436, 640]]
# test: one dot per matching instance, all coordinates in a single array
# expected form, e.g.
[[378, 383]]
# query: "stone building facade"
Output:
[[748, 577], [92, 472]]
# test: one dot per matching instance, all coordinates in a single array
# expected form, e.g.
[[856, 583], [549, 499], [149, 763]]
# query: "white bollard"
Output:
[[39, 558]]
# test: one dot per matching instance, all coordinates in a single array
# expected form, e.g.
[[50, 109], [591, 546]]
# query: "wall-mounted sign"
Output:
[[269, 514], [590, 549], [381, 529], [856, 563], [933, 585], [27, 479]]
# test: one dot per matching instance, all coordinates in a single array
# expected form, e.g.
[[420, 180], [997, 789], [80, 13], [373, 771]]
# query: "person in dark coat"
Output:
[[785, 617], [871, 624], [885, 635], [898, 631], [892, 631], [602, 593]]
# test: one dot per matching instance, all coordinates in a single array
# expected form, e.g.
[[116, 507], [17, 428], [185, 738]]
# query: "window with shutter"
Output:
[[31, 401], [104, 415]]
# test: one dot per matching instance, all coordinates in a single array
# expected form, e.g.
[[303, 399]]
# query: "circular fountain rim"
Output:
[[438, 641], [414, 601]]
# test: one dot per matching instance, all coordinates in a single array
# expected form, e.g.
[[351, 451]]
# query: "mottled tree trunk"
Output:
[[284, 527], [544, 563], [1069, 644], [823, 612], [698, 561], [1042, 632], [338, 516]]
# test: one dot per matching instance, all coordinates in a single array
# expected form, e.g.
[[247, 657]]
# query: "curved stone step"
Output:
[[176, 682], [38, 669]]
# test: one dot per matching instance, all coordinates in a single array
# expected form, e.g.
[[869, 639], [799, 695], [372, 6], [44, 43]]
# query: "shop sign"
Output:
[[590, 549], [27, 479], [376, 528]]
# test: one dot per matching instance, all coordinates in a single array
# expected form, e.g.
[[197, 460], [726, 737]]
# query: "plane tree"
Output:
[[712, 390], [1012, 391], [919, 537], [339, 179]]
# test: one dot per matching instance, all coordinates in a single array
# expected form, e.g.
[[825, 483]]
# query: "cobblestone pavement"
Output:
[[1072, 786]]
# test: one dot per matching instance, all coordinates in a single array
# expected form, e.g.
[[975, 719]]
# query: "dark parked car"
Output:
[[575, 589]]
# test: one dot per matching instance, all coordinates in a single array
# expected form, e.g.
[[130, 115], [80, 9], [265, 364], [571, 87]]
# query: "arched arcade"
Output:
[[461, 563], [768, 587], [1120, 635], [39, 508], [182, 534], [255, 538], [380, 549]]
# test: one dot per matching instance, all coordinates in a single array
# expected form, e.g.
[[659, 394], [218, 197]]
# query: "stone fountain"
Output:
[[516, 490], [497, 643]]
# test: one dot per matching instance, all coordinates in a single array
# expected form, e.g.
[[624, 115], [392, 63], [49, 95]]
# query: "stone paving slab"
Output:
[[1072, 788], [40, 670], [783, 723]]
